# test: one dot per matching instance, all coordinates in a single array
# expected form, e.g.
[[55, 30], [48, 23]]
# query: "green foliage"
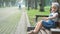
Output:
[[33, 12]]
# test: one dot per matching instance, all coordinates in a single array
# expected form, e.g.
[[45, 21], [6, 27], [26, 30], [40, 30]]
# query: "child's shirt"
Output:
[[53, 14]]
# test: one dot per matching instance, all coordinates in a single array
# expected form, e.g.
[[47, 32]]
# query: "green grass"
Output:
[[8, 25], [33, 12]]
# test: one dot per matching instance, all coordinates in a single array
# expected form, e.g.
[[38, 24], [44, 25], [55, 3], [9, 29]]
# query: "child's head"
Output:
[[55, 7]]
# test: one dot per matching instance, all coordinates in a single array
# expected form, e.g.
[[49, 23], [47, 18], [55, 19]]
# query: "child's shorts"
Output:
[[49, 24]]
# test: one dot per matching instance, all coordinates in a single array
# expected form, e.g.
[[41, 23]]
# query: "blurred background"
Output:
[[17, 15]]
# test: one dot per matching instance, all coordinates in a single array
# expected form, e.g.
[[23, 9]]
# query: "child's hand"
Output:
[[45, 18]]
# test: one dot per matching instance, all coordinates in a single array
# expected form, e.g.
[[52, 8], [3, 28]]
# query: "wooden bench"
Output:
[[53, 30], [40, 16]]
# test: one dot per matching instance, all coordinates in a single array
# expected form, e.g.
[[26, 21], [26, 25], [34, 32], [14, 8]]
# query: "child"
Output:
[[48, 22]]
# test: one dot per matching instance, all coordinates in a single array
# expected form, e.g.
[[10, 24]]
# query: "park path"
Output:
[[6, 24], [6, 12], [23, 24]]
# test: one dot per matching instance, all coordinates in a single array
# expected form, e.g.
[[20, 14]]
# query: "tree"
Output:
[[41, 5], [26, 2], [35, 4], [29, 4], [7, 2]]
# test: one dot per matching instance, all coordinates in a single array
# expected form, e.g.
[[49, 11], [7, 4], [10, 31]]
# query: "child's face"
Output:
[[54, 8]]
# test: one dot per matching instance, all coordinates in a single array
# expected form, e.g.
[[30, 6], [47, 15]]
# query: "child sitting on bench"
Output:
[[48, 22]]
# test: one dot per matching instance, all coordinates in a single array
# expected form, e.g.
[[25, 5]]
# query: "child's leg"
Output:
[[38, 27]]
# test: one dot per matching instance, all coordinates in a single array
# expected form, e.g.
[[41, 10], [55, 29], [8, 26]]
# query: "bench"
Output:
[[40, 16], [53, 30]]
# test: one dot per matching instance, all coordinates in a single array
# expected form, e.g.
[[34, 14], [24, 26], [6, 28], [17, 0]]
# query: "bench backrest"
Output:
[[58, 22]]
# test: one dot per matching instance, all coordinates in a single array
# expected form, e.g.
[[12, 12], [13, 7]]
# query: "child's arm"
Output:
[[54, 16]]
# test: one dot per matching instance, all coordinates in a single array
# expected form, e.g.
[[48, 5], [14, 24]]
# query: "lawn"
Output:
[[32, 12], [8, 25]]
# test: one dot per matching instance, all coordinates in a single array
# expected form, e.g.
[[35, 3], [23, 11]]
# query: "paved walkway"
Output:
[[23, 24], [6, 12], [7, 18]]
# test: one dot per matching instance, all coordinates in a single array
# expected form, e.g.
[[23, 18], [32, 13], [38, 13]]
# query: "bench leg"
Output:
[[36, 19], [30, 28]]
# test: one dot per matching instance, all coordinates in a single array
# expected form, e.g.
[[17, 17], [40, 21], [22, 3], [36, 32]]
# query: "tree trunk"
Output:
[[35, 4], [29, 4], [26, 3], [4, 4], [41, 5]]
